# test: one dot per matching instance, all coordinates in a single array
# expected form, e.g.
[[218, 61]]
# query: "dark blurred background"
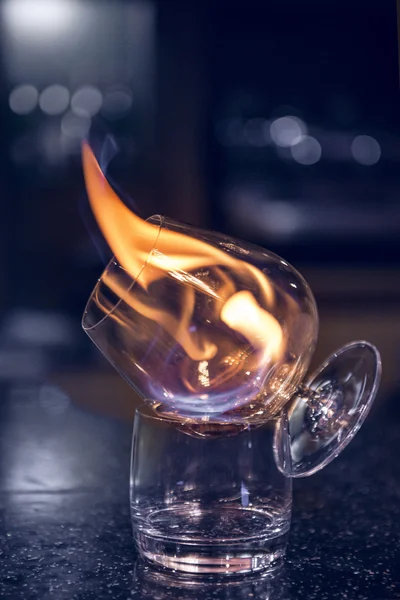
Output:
[[277, 122]]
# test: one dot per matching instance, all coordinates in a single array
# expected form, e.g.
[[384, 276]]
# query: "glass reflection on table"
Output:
[[150, 582]]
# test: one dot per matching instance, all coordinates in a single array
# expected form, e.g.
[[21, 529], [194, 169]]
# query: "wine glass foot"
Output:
[[328, 411]]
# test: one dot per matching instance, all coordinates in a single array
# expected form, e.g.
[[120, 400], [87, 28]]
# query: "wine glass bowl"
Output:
[[226, 342]]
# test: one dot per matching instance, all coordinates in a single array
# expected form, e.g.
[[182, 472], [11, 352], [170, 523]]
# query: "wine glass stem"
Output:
[[323, 406]]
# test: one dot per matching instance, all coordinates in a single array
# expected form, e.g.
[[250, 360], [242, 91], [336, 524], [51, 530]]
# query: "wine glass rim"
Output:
[[112, 263]]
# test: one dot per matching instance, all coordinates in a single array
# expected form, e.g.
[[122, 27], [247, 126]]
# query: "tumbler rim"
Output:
[[145, 411]]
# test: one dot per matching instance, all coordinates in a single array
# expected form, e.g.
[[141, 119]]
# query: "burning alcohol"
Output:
[[203, 326]]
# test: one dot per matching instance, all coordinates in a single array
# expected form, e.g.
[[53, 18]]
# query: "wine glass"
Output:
[[218, 334]]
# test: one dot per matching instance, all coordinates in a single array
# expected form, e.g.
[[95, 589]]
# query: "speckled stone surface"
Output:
[[65, 526]]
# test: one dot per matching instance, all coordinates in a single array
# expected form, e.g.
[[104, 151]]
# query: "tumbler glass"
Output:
[[208, 504]]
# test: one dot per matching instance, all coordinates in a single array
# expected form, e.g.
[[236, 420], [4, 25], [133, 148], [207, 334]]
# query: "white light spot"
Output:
[[204, 376], [35, 18], [117, 104], [293, 285], [245, 495], [75, 126], [54, 99], [287, 131], [23, 99], [366, 150], [87, 101], [307, 151]]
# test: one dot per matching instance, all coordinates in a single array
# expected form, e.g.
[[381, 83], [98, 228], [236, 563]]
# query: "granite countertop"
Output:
[[66, 530]]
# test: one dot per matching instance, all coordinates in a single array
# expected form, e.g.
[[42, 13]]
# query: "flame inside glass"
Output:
[[203, 326]]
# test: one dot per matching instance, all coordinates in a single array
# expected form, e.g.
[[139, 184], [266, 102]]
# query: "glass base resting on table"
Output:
[[149, 581], [228, 541], [208, 505]]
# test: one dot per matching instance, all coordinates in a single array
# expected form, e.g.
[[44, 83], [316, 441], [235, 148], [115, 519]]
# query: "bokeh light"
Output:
[[287, 131], [75, 126], [366, 150], [23, 99], [50, 143], [54, 99], [87, 101], [256, 132], [117, 103], [307, 151]]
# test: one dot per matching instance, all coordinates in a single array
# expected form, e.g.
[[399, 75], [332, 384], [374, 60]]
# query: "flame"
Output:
[[136, 243], [242, 313]]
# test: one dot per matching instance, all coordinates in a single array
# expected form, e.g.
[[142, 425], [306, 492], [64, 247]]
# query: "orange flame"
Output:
[[178, 255], [242, 313]]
